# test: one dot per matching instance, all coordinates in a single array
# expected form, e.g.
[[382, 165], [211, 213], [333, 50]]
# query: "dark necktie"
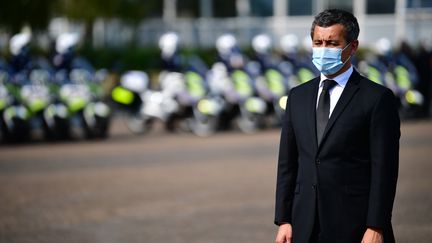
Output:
[[323, 110]]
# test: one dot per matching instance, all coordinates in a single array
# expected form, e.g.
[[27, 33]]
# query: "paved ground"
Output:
[[173, 188]]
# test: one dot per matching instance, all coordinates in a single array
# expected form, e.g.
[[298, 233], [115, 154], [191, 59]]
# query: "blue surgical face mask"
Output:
[[328, 60]]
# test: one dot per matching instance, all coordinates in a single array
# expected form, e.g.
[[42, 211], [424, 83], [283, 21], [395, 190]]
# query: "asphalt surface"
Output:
[[174, 188]]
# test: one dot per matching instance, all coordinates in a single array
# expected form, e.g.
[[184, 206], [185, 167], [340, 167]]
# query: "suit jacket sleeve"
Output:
[[287, 169], [384, 147]]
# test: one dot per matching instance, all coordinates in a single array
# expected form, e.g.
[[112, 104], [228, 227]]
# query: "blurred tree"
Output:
[[136, 10], [262, 8], [87, 11], [224, 8], [15, 14], [188, 8]]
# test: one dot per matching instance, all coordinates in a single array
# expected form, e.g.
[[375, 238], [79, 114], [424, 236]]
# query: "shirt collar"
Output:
[[341, 79]]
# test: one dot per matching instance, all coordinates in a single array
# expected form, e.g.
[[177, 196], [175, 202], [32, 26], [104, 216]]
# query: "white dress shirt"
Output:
[[336, 91]]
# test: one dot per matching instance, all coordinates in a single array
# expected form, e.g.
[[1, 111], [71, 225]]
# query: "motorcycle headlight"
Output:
[[207, 106], [101, 109], [22, 112], [58, 110], [283, 102], [61, 111], [255, 105], [414, 97]]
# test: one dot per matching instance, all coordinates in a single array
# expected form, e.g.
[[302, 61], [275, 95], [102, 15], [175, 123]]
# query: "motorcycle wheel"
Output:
[[204, 127], [20, 131], [101, 128], [249, 123], [137, 124], [1, 132], [61, 129]]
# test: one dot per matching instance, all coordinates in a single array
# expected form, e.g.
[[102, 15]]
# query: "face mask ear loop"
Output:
[[349, 55], [346, 46], [346, 60]]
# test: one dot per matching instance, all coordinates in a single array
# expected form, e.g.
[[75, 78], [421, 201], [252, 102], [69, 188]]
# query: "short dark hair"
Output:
[[330, 17]]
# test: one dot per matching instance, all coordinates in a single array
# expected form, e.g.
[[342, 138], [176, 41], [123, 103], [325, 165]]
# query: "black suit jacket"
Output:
[[350, 177]]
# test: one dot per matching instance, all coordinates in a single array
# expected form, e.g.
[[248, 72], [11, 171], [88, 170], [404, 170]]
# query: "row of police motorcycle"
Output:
[[50, 100], [64, 99], [233, 93], [396, 71], [236, 92]]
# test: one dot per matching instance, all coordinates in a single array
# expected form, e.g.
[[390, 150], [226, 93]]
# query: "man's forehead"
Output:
[[332, 32]]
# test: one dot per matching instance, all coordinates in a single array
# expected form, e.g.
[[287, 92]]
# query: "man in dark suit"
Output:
[[339, 148]]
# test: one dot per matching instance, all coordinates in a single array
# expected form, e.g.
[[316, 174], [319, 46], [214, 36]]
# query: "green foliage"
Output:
[[224, 8], [87, 10], [135, 10], [137, 58], [131, 10], [121, 59], [14, 14], [188, 8]]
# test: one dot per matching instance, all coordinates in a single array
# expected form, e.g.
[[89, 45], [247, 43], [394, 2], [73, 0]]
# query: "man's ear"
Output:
[[354, 46]]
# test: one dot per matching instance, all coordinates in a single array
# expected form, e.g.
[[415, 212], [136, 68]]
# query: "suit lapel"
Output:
[[311, 108], [348, 92]]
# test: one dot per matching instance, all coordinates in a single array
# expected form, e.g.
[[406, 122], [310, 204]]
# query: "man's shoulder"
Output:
[[371, 87], [309, 86]]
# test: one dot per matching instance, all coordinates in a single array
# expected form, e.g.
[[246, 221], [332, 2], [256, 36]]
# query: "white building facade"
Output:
[[397, 20]]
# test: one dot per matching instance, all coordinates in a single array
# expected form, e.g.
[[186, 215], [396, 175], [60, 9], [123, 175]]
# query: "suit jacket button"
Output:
[[317, 161], [314, 186]]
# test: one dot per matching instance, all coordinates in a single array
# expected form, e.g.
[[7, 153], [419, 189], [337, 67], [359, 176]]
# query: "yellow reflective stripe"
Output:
[[402, 77], [241, 82], [3, 104], [275, 81], [37, 105], [195, 84], [374, 75], [305, 75], [76, 104], [122, 95]]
